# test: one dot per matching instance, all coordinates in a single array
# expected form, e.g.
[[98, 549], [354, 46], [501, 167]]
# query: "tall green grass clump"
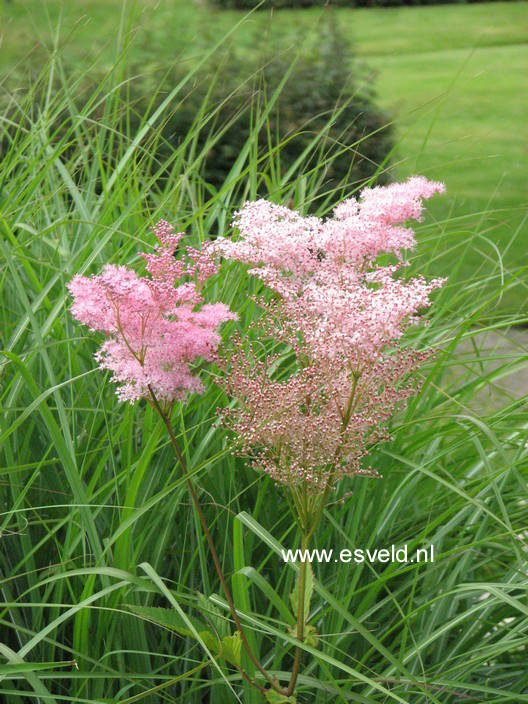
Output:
[[97, 526]]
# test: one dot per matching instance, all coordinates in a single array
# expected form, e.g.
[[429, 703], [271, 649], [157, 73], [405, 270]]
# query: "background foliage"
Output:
[[452, 78], [266, 4], [319, 110]]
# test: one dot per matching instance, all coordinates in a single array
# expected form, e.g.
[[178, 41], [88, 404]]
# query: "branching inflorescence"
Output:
[[342, 313], [156, 326]]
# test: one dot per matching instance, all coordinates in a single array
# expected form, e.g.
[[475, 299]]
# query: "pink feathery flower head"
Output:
[[156, 326], [343, 315]]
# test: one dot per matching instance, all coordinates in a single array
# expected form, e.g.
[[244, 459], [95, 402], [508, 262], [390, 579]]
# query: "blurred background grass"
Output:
[[454, 78]]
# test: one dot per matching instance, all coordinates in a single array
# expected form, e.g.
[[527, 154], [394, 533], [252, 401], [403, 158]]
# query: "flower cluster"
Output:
[[156, 326], [342, 314]]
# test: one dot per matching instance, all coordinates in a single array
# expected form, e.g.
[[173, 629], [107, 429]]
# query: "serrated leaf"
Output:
[[231, 649], [276, 698], [169, 618], [308, 591], [213, 614]]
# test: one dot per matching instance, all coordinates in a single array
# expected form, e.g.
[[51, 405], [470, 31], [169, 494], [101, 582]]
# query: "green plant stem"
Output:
[[308, 528], [346, 420], [301, 616], [166, 420]]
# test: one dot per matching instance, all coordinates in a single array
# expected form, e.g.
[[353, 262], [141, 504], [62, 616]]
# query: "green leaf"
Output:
[[231, 649], [311, 636], [275, 698], [266, 588], [308, 591], [19, 667], [169, 618], [213, 614]]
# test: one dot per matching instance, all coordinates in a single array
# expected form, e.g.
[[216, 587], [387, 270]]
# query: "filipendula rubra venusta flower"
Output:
[[157, 327], [342, 314]]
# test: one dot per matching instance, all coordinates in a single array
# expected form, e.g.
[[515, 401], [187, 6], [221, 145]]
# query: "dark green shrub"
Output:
[[320, 109], [250, 4], [277, 4]]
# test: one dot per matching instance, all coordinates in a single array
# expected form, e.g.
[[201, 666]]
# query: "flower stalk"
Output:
[[340, 313], [227, 593], [337, 310], [301, 616]]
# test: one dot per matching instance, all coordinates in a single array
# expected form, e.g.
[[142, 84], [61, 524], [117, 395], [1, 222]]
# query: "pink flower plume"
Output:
[[156, 326], [343, 315]]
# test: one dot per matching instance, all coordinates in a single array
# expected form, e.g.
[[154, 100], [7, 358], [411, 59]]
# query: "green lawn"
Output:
[[454, 77]]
